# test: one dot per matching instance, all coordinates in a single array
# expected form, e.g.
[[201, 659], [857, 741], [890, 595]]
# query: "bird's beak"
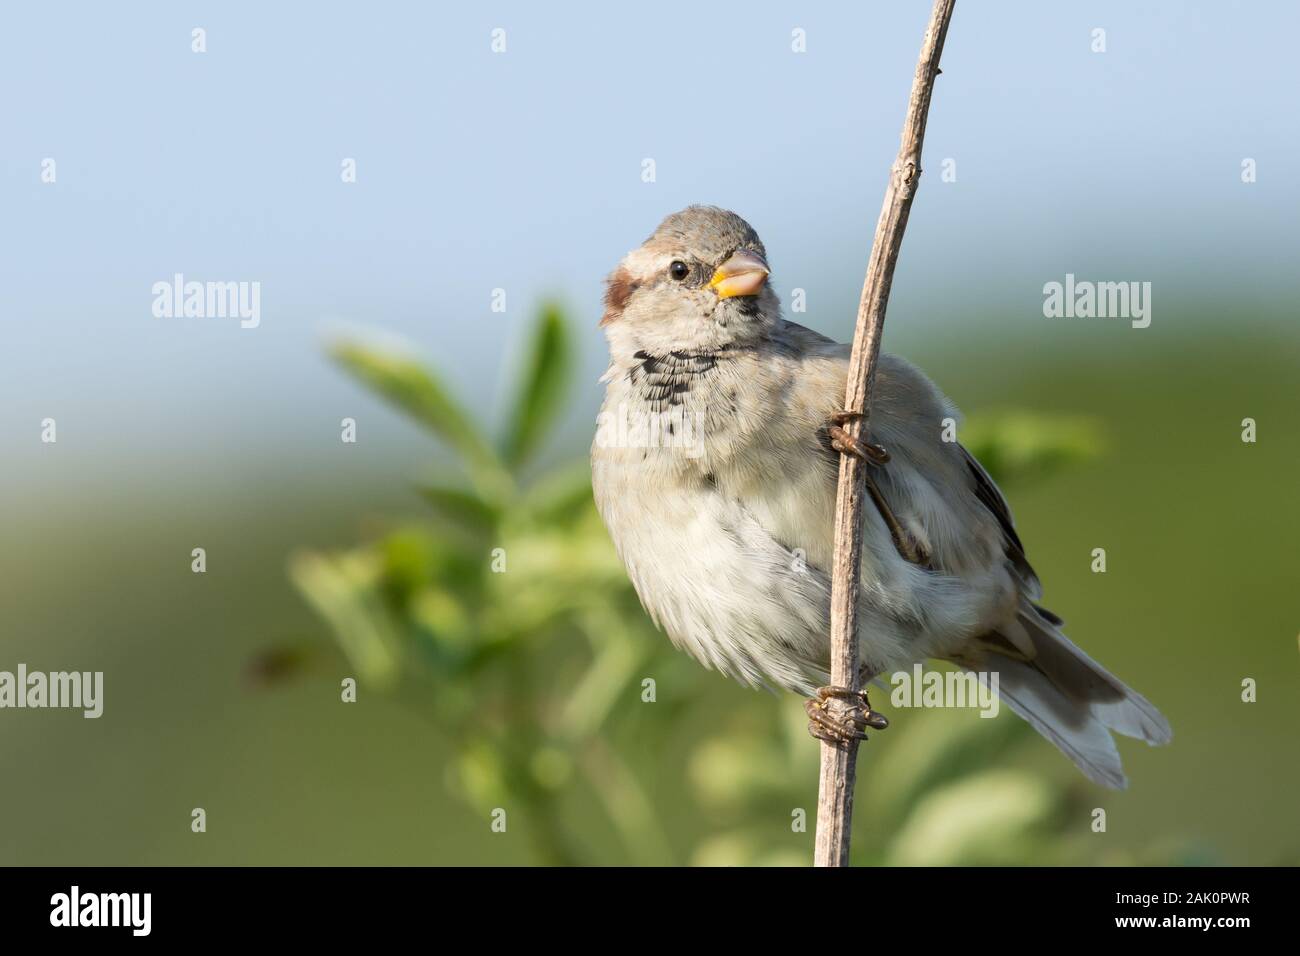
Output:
[[743, 274]]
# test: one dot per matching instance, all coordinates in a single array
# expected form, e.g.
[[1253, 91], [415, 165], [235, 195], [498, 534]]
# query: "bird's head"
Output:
[[699, 283]]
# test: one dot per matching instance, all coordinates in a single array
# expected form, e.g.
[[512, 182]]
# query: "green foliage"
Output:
[[545, 374], [507, 619], [419, 393], [1016, 446]]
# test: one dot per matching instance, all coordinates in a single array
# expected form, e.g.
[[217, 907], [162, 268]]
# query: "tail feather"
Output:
[[1079, 677], [1069, 698], [1073, 729]]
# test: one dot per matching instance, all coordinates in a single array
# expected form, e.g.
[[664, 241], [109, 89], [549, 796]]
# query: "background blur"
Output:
[[522, 171]]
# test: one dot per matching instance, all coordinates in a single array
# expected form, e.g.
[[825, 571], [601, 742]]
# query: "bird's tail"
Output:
[[1067, 696]]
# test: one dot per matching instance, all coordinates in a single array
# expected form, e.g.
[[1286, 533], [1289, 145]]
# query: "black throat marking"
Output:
[[663, 380]]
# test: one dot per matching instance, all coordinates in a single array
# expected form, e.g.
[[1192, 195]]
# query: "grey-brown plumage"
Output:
[[722, 506]]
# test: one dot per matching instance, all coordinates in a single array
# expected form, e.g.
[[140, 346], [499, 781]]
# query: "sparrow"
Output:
[[718, 490]]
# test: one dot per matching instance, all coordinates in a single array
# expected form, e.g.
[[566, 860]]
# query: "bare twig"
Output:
[[839, 760]]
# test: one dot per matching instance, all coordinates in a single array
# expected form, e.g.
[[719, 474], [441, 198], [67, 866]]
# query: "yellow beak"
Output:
[[743, 274]]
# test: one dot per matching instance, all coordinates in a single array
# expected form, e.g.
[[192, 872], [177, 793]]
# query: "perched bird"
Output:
[[718, 489]]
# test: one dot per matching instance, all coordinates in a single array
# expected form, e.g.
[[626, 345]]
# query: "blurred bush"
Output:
[[504, 614]]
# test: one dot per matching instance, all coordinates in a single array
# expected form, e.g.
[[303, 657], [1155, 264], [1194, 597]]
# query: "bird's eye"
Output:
[[678, 270]]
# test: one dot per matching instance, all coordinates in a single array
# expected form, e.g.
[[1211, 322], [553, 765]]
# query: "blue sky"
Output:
[[522, 171]]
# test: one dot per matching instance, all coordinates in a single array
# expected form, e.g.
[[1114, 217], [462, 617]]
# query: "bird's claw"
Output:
[[845, 723], [845, 443]]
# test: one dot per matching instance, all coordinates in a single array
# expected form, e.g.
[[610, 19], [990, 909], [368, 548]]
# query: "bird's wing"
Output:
[[991, 497]]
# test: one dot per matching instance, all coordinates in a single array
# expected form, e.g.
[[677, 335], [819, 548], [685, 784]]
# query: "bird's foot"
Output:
[[845, 443], [847, 719]]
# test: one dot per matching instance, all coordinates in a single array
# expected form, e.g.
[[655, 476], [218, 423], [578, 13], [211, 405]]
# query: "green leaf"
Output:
[[415, 390], [408, 562], [343, 590], [562, 495], [997, 818], [933, 749], [547, 365], [461, 508], [1019, 446], [738, 770], [443, 619]]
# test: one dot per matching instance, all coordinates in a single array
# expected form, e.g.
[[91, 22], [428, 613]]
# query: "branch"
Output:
[[839, 760]]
